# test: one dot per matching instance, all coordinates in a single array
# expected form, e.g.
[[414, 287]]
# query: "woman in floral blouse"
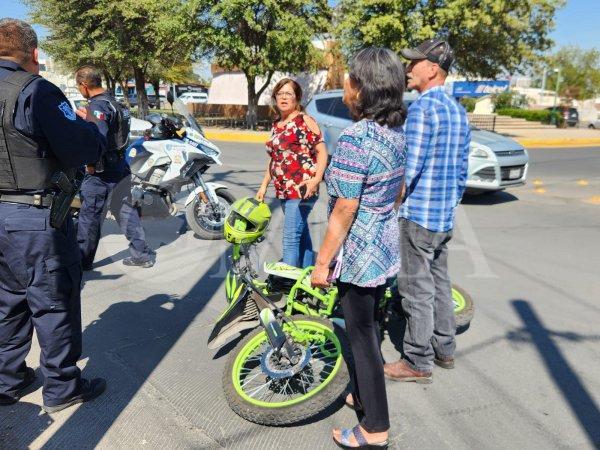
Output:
[[364, 180], [298, 161]]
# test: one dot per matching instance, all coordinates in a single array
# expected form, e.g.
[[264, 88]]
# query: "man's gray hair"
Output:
[[17, 39]]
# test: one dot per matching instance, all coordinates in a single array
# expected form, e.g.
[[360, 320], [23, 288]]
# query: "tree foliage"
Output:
[[488, 36], [579, 72], [260, 37], [122, 37]]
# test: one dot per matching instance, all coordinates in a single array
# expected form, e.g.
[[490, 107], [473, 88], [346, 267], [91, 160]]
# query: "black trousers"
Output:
[[40, 286], [361, 314]]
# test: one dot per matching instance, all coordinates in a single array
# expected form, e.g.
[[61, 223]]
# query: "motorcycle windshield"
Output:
[[180, 108]]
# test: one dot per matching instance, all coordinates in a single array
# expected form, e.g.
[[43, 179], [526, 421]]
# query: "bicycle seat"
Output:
[[279, 269]]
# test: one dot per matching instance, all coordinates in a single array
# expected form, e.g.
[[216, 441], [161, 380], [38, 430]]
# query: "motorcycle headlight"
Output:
[[478, 152]]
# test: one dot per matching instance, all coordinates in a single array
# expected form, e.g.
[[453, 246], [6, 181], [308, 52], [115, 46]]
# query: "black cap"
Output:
[[434, 50]]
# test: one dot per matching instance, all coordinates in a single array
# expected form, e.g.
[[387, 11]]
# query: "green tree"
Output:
[[260, 37], [488, 36], [579, 72], [121, 36]]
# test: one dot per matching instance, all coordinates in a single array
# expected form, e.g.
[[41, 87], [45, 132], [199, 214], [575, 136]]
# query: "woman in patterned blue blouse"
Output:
[[364, 180]]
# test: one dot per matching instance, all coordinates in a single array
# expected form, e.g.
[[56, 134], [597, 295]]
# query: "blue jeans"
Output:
[[297, 245]]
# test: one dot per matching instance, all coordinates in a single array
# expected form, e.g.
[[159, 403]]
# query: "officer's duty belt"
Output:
[[33, 199]]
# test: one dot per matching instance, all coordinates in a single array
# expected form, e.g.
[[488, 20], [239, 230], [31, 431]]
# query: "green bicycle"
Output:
[[291, 366]]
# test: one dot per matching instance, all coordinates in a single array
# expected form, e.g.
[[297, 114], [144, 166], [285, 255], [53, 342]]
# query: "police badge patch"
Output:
[[67, 111]]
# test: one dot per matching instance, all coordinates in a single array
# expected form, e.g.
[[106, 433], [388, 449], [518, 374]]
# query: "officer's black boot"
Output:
[[90, 389], [21, 389]]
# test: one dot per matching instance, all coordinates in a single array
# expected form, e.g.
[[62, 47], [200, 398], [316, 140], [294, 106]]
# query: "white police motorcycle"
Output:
[[172, 155]]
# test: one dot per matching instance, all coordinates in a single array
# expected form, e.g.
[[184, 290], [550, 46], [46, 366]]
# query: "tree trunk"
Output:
[[252, 104], [253, 97], [110, 83], [123, 85], [156, 87], [140, 87]]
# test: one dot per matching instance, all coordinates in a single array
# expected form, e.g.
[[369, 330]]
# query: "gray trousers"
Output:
[[426, 292]]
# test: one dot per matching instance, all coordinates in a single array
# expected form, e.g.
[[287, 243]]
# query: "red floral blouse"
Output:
[[293, 156]]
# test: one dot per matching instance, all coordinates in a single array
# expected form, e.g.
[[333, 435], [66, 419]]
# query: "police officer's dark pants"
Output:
[[424, 284], [98, 196], [40, 284]]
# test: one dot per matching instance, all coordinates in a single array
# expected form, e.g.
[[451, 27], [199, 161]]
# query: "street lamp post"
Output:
[[544, 80], [557, 85], [556, 91]]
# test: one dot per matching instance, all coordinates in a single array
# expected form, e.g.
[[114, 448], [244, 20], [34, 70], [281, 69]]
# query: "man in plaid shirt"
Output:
[[438, 137]]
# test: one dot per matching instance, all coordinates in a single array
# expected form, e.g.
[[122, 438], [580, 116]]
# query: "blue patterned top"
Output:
[[368, 164]]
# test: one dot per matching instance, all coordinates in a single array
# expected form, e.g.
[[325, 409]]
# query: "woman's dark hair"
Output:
[[297, 91], [379, 75]]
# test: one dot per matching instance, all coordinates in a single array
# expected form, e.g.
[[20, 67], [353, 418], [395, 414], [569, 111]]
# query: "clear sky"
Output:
[[578, 23]]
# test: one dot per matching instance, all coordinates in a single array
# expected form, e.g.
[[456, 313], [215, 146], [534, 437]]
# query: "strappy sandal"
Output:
[[360, 439]]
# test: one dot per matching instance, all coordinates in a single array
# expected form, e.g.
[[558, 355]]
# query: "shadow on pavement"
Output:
[[21, 424], [152, 327], [564, 377], [488, 198]]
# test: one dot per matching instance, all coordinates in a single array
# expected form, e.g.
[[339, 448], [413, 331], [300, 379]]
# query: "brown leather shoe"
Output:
[[445, 362], [401, 371]]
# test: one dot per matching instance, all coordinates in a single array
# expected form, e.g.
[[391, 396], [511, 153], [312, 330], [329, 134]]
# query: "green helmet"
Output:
[[247, 221]]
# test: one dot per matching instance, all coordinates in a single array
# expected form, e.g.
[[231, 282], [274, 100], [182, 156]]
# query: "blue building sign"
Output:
[[479, 88]]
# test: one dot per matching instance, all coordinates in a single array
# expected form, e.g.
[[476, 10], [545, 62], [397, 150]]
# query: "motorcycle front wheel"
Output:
[[207, 221], [267, 389]]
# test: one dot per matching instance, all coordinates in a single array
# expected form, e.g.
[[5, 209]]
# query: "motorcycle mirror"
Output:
[[170, 97]]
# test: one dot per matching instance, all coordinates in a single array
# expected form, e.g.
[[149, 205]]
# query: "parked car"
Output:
[[194, 97], [137, 127], [495, 161], [570, 115], [594, 124]]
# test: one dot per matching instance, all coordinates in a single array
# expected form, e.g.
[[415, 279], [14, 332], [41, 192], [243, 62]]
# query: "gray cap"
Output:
[[434, 50]]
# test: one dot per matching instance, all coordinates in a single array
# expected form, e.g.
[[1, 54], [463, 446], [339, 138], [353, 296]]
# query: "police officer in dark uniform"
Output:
[[107, 184], [42, 142]]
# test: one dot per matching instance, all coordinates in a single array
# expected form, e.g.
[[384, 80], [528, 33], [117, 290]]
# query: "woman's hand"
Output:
[[312, 187], [319, 276], [260, 195]]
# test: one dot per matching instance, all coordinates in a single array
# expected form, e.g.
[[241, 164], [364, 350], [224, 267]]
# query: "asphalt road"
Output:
[[527, 369]]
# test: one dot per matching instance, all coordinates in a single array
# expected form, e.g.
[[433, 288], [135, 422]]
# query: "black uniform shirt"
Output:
[[107, 118], [44, 114]]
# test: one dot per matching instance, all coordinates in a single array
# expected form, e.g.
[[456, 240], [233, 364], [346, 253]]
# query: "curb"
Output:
[[250, 137], [257, 137], [559, 143]]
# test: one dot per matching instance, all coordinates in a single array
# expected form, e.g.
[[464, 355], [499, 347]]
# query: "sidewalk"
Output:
[[530, 138]]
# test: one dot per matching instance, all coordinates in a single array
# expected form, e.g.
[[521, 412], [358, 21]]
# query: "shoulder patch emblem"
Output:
[[100, 115], [67, 111]]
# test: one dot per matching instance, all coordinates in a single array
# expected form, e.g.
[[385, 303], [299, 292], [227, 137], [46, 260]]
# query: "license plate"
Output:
[[514, 173]]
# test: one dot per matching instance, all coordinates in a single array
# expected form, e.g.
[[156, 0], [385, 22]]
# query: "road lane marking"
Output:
[[594, 200], [583, 182], [537, 182]]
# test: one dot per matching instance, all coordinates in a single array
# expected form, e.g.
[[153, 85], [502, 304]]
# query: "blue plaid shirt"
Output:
[[437, 139]]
